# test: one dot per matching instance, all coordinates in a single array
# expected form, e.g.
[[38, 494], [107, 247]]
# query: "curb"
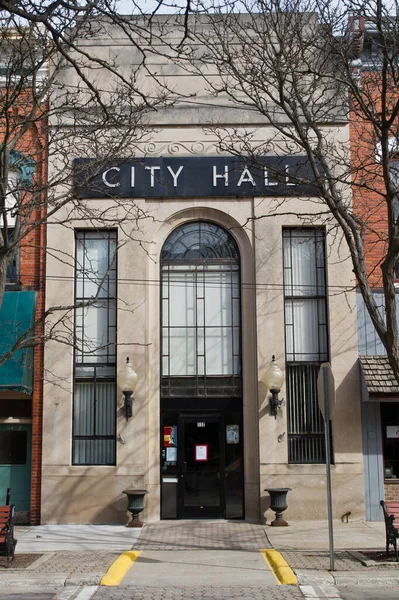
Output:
[[369, 562], [367, 578], [280, 567], [314, 577], [119, 568], [17, 580], [31, 582]]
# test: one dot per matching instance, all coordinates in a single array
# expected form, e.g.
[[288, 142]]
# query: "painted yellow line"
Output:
[[119, 568], [280, 567]]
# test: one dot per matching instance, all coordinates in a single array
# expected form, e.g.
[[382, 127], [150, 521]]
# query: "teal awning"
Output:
[[17, 315]]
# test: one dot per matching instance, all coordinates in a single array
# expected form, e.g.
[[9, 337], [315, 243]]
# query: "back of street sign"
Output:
[[326, 367]]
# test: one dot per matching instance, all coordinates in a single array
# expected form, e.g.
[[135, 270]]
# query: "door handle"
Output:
[[183, 465]]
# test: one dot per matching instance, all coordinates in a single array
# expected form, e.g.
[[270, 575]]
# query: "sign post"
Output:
[[326, 398]]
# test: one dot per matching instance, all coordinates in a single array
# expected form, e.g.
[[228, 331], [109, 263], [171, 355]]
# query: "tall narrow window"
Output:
[[201, 346], [94, 404], [306, 339], [394, 171], [12, 275], [12, 201]]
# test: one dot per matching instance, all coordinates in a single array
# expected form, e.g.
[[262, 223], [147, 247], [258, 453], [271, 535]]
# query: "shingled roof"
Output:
[[378, 375]]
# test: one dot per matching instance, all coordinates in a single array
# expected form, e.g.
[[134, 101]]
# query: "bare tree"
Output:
[[294, 64], [62, 97], [305, 68]]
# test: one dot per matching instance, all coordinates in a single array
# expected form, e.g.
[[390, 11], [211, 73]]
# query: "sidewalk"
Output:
[[305, 546], [60, 555], [188, 554]]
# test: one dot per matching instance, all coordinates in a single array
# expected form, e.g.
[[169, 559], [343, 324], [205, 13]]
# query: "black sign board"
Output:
[[190, 177]]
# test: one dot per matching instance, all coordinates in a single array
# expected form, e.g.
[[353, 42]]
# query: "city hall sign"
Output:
[[188, 177]]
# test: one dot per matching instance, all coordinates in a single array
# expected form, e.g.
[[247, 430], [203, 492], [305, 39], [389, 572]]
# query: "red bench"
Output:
[[7, 541], [391, 517]]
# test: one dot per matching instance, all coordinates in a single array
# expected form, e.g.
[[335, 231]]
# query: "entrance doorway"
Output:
[[202, 466], [201, 384], [15, 465]]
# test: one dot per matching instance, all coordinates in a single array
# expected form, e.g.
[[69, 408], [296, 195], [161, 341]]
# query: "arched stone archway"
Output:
[[249, 378]]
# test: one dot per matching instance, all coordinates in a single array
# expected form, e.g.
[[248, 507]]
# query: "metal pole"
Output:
[[328, 467]]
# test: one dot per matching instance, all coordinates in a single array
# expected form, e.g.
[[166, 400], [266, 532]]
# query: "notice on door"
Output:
[[201, 452]]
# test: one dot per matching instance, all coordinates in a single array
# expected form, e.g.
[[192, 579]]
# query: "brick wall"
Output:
[[32, 273], [32, 277], [391, 491], [368, 204]]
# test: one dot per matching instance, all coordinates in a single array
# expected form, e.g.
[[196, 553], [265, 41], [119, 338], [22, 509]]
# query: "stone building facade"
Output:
[[183, 275]]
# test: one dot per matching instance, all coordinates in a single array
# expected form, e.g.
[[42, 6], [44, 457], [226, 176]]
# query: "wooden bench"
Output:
[[391, 516], [7, 541]]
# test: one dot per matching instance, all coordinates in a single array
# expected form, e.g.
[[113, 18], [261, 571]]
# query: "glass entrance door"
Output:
[[201, 466]]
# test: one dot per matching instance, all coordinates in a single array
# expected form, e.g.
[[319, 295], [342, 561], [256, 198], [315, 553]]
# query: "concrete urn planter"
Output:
[[278, 503], [135, 505]]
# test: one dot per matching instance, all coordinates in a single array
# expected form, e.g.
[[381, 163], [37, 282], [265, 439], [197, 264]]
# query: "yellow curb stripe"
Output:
[[280, 567], [119, 568]]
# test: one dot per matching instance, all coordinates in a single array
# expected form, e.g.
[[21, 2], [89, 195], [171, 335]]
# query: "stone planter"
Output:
[[278, 503], [135, 505]]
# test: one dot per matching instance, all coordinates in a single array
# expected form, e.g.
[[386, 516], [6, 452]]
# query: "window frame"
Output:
[[395, 160], [305, 371], [13, 280], [108, 366], [201, 385]]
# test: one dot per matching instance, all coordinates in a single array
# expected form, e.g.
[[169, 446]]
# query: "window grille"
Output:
[[94, 403], [306, 337], [201, 345]]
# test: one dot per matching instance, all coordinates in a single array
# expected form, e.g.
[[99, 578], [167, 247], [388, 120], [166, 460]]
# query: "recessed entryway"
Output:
[[201, 384]]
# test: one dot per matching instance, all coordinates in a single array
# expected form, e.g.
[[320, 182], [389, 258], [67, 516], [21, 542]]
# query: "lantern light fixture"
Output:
[[274, 380], [127, 380]]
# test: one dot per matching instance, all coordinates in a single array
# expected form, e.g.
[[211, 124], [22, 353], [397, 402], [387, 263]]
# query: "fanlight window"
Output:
[[201, 346], [196, 241]]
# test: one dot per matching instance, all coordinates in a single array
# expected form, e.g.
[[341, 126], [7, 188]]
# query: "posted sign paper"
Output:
[[201, 452]]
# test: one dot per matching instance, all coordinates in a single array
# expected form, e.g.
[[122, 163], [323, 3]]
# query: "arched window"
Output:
[[201, 338]]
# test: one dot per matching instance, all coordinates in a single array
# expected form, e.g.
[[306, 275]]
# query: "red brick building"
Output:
[[380, 391], [22, 305]]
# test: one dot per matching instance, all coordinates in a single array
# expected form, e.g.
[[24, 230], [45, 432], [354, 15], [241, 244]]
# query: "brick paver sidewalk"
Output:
[[71, 564], [202, 535], [320, 560], [200, 593]]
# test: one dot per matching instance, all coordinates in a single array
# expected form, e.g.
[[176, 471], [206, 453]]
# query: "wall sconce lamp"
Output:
[[127, 380], [274, 380]]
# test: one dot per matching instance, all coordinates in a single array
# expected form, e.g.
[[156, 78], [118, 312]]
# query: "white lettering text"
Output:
[[107, 183], [224, 176], [267, 182], [175, 175], [152, 170], [246, 177], [287, 175]]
